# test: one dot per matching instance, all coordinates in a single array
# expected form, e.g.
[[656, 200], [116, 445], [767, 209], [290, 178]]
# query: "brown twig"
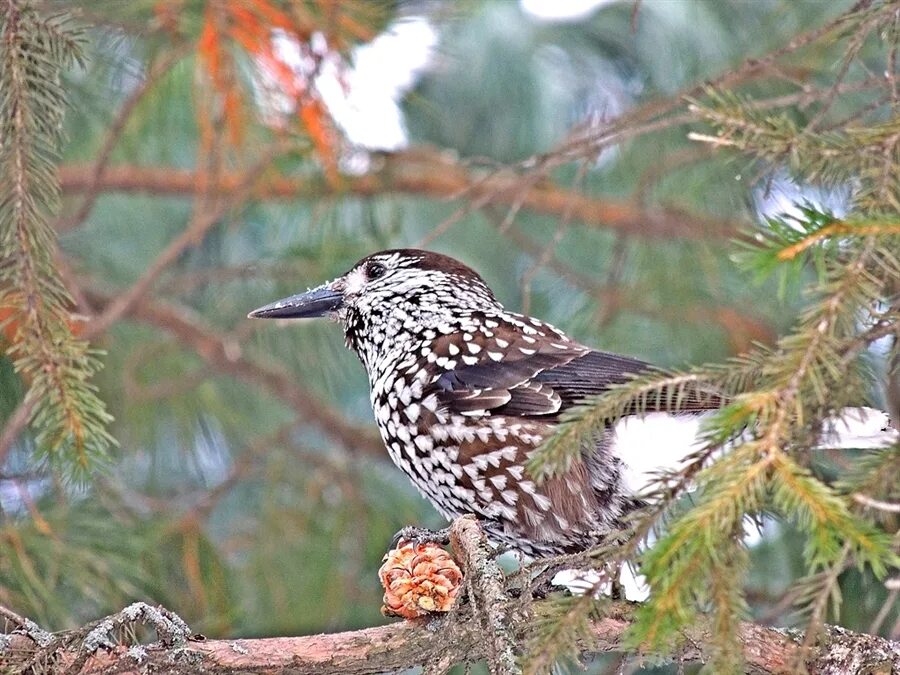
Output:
[[657, 114], [635, 11], [820, 604], [115, 132], [742, 329], [558, 232], [614, 274], [241, 468], [14, 426], [487, 596], [869, 502], [179, 282], [200, 224], [891, 72], [889, 603], [227, 356], [19, 620], [857, 41], [34, 633], [479, 193], [433, 177]]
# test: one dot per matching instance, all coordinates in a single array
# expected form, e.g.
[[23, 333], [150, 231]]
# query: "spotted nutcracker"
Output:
[[464, 391]]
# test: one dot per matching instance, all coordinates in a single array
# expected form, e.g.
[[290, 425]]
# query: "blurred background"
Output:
[[221, 155]]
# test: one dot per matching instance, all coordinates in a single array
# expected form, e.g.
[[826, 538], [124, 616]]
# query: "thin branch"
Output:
[[665, 113], [614, 275], [474, 202], [226, 356], [742, 328], [652, 116], [116, 308], [14, 426], [243, 466], [115, 132], [823, 597], [431, 176], [191, 236], [889, 603], [856, 44], [807, 96], [486, 594], [35, 635], [869, 502], [19, 620], [891, 72], [559, 231], [635, 11]]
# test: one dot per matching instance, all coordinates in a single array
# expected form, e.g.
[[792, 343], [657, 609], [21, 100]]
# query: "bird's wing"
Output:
[[495, 372], [595, 372], [535, 375]]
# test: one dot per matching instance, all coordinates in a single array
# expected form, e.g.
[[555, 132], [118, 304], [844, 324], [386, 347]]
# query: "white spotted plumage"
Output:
[[415, 329], [464, 391]]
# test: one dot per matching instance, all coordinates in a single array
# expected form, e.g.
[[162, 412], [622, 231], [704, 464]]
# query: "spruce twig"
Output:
[[64, 408]]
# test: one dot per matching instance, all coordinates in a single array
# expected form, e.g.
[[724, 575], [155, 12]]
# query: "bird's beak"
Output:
[[314, 303]]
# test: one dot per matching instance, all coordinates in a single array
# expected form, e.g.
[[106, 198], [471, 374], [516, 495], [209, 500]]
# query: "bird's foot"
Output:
[[418, 536]]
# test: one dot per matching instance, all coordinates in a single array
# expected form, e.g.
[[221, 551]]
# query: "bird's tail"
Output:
[[851, 428]]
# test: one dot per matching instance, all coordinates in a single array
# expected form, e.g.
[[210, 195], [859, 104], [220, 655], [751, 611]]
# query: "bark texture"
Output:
[[434, 642], [489, 626]]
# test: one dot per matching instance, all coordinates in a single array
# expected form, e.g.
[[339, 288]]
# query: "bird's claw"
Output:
[[419, 536]]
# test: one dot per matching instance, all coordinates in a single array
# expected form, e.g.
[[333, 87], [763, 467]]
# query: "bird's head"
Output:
[[388, 295]]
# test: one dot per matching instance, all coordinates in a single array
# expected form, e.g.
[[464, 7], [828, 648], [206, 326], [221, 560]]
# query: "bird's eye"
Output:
[[375, 270]]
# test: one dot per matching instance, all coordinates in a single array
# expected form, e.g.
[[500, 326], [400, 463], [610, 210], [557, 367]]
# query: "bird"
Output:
[[465, 391]]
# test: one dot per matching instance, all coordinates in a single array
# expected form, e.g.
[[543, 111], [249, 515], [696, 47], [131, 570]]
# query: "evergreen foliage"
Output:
[[246, 502], [786, 394], [65, 409]]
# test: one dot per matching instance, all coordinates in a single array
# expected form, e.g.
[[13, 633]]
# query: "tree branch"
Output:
[[486, 595], [410, 643], [420, 172], [192, 235], [742, 327], [226, 356], [436, 643], [16, 422], [115, 132]]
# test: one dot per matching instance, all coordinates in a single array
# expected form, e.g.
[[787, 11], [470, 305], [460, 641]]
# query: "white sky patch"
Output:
[[882, 346], [755, 532], [652, 443], [579, 582], [663, 442], [364, 98], [562, 10], [783, 196]]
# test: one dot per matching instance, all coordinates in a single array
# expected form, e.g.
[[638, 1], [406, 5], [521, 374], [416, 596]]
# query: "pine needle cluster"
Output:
[[782, 398], [758, 451], [69, 417], [867, 154]]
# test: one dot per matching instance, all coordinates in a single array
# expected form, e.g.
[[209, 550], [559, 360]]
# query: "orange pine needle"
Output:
[[838, 228], [316, 122], [278, 18]]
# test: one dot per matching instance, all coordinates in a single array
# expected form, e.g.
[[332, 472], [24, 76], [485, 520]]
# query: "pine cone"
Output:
[[417, 580]]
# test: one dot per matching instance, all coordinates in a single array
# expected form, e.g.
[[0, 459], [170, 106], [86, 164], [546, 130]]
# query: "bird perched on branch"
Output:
[[464, 391]]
